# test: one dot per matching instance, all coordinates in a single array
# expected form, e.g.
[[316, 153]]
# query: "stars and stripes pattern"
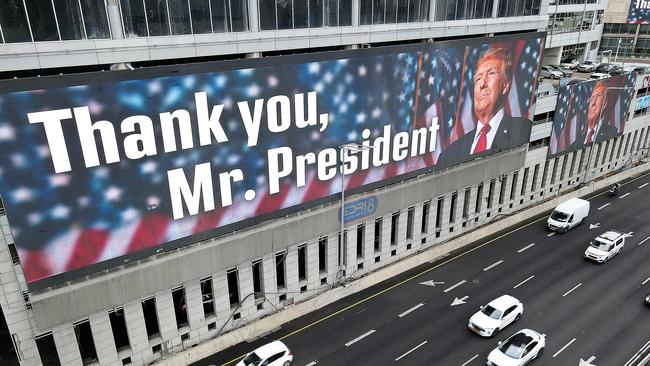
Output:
[[69, 221], [639, 12]]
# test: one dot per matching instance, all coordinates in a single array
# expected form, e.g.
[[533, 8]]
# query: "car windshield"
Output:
[[601, 245], [491, 312], [559, 216], [515, 345], [252, 359]]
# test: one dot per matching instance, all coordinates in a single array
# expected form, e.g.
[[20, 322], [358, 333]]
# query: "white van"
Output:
[[568, 214]]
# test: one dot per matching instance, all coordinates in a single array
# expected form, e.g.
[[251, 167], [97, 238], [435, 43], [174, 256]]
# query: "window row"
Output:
[[56, 20], [572, 2], [619, 28], [572, 22]]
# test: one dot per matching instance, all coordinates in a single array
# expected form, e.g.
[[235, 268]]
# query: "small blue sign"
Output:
[[643, 102], [359, 209]]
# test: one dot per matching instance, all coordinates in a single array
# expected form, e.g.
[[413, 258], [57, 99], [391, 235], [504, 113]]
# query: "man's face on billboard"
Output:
[[490, 87], [596, 101]]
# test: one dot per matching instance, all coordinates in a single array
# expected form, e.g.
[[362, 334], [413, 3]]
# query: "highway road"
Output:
[[591, 313]]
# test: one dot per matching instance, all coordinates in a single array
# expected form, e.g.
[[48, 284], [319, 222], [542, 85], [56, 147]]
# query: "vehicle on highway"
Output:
[[588, 66], [613, 191], [496, 315], [547, 72], [518, 350], [568, 214], [565, 71], [605, 67], [605, 246], [570, 64], [647, 300], [598, 76], [641, 70], [272, 354]]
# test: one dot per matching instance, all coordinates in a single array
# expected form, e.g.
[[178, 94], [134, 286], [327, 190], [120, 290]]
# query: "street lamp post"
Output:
[[591, 148], [342, 244]]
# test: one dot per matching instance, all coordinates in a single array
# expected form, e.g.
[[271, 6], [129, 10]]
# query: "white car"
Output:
[[605, 246], [518, 350], [273, 354], [548, 72], [598, 76], [496, 315]]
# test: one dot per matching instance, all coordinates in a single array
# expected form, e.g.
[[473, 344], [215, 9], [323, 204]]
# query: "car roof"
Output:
[[270, 349], [525, 336], [610, 235], [503, 302]]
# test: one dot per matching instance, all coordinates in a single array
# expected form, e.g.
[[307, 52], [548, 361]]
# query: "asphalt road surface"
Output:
[[591, 313]]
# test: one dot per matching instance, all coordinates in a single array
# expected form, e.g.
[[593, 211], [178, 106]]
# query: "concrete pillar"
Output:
[[432, 10], [313, 275], [269, 282], [401, 231], [351, 250], [417, 226], [221, 299], [166, 317], [135, 327], [385, 237], [114, 19], [246, 297], [66, 345], [253, 15], [100, 326], [355, 13], [332, 257], [369, 245], [495, 9], [194, 302], [291, 271]]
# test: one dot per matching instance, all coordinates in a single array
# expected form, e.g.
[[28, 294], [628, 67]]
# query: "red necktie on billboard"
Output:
[[590, 136], [482, 139]]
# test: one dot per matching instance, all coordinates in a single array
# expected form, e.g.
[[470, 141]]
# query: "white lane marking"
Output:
[[411, 309], [311, 363], [638, 354], [551, 234], [646, 281], [625, 195], [454, 286], [364, 335], [605, 205], [644, 240], [575, 287], [643, 185], [526, 247], [492, 265], [563, 348], [412, 349], [470, 360], [524, 281]]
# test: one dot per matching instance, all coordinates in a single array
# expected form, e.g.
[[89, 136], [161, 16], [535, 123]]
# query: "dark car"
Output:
[[616, 71], [641, 70], [605, 68]]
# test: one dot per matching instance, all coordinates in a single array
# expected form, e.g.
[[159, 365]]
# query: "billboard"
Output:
[[639, 12], [590, 111], [99, 168]]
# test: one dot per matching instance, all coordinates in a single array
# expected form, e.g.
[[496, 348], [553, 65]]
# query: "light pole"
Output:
[[591, 148], [352, 147]]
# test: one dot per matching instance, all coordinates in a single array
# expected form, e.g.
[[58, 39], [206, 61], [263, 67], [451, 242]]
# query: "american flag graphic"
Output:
[[73, 220], [571, 112], [639, 12]]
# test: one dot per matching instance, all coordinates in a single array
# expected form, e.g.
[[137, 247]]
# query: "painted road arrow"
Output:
[[594, 226], [588, 362], [628, 235], [460, 301], [431, 283]]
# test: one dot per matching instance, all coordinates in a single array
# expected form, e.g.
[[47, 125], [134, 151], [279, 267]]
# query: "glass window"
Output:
[[133, 18], [441, 10], [300, 13], [391, 11], [221, 15], [95, 18], [14, 22], [157, 17], [200, 13], [315, 13], [179, 17], [378, 11], [41, 18], [68, 14], [285, 11], [331, 13], [345, 12], [365, 12], [402, 11], [267, 15], [239, 14]]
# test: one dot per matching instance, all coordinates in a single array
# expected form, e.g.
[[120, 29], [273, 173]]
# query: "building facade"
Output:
[[141, 311]]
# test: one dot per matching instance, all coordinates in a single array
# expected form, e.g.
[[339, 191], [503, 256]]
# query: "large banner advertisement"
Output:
[[639, 12], [100, 168], [590, 112]]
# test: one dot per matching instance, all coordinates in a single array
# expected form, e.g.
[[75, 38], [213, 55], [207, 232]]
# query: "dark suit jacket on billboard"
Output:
[[605, 132], [512, 132]]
